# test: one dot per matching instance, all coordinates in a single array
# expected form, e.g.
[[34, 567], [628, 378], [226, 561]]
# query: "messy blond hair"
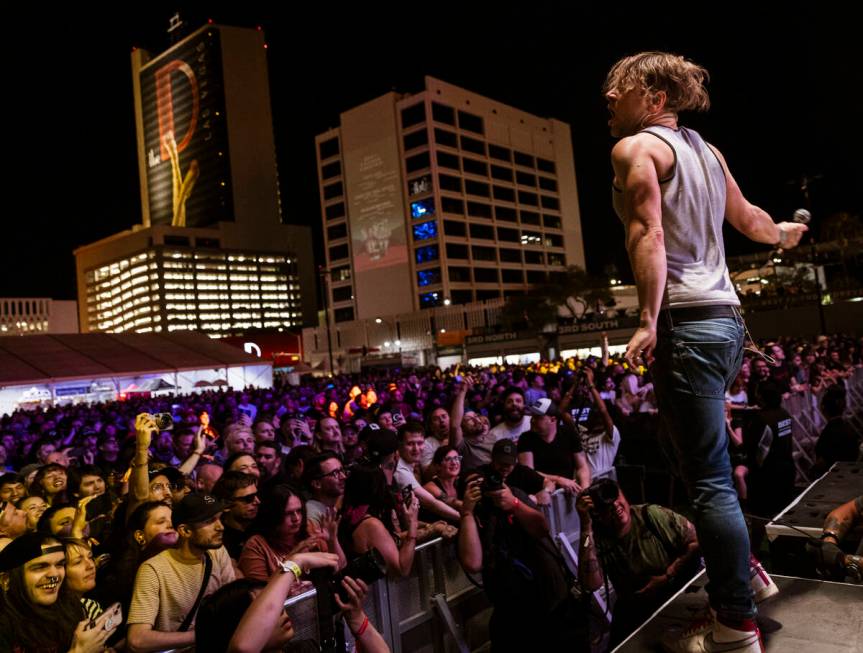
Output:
[[683, 81]]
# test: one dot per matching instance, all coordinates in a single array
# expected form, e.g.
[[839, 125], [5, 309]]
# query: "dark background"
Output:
[[785, 82]]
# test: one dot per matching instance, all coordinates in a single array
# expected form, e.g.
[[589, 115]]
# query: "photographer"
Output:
[[504, 537], [647, 552]]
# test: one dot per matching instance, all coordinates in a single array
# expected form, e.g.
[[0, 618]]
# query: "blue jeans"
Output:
[[694, 364]]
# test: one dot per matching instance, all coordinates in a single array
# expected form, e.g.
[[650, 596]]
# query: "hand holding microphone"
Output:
[[790, 233]]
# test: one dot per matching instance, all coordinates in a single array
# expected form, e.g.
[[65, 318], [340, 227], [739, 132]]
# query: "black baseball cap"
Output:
[[27, 547], [505, 451], [196, 508], [380, 442]]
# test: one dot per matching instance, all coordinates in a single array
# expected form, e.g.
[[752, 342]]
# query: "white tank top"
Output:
[[693, 210]]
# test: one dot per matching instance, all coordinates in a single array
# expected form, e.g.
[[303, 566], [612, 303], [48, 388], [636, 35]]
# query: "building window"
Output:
[[485, 232], [422, 209], [345, 314], [425, 230], [343, 294], [420, 185], [504, 193], [545, 165], [427, 254], [510, 255], [525, 178], [340, 274], [536, 276], [498, 172], [472, 145], [511, 276], [452, 205], [556, 259], [505, 213], [444, 137], [428, 277], [548, 184], [499, 153], [338, 252], [523, 159], [456, 251], [550, 203], [447, 160], [527, 198], [551, 221], [475, 167], [413, 115], [331, 170], [443, 113], [484, 295], [451, 228], [337, 231], [415, 139], [529, 217], [485, 275], [328, 148], [448, 182], [553, 240], [479, 210], [417, 162], [335, 211], [333, 190], [533, 258], [459, 274], [483, 253], [429, 299], [177, 241], [469, 122], [507, 235], [207, 243], [531, 238], [476, 188], [461, 296]]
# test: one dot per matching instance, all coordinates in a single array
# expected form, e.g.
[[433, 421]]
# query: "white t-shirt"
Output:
[[404, 475], [430, 445], [600, 452], [504, 430]]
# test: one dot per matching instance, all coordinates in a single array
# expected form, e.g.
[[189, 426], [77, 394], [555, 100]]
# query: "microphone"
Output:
[[801, 216]]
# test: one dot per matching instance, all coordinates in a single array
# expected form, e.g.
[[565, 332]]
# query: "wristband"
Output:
[[516, 503], [362, 629], [832, 534], [292, 567]]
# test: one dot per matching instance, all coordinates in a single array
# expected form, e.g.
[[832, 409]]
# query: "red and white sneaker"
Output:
[[763, 586], [718, 638]]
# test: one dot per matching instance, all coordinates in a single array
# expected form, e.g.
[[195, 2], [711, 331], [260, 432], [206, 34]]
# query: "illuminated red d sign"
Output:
[[165, 104]]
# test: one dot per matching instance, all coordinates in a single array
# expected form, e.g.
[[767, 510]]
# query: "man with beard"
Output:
[[168, 586], [438, 432], [470, 436], [240, 492], [515, 422], [269, 458]]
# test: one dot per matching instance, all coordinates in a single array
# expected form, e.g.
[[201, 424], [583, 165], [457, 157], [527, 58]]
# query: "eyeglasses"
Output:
[[172, 487], [453, 459], [249, 498], [339, 471]]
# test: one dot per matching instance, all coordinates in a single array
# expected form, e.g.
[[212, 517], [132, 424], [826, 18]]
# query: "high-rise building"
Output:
[[440, 197], [212, 253]]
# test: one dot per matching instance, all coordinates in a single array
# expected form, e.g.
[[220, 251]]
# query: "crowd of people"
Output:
[[185, 521]]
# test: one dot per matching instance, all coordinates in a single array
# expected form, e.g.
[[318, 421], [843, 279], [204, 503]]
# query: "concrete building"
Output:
[[443, 197], [23, 316], [212, 254]]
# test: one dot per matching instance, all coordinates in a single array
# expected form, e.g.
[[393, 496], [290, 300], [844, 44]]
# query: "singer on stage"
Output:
[[673, 191]]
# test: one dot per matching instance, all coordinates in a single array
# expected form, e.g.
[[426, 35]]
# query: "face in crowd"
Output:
[[245, 503], [44, 575], [158, 522], [411, 447], [33, 507], [331, 481], [246, 464], [513, 408], [329, 435], [439, 423]]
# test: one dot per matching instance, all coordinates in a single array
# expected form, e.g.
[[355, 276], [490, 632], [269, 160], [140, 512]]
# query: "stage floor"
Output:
[[807, 616]]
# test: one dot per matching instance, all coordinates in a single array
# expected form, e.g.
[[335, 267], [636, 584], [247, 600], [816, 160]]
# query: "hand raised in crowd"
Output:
[[584, 508], [411, 510], [309, 544], [300, 431], [356, 590], [79, 522], [315, 560], [200, 443], [145, 425], [329, 526], [472, 495]]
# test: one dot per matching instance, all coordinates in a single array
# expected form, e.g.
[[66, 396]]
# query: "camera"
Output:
[[164, 421], [369, 567], [407, 494], [492, 482], [603, 493]]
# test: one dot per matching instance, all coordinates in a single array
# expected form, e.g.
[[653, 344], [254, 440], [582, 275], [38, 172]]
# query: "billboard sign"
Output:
[[185, 134]]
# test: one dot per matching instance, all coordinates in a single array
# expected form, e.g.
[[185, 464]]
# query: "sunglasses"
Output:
[[249, 498]]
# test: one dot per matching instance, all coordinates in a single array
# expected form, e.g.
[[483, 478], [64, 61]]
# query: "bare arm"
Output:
[[589, 570], [469, 544], [194, 458], [456, 414], [437, 506], [753, 222], [582, 471], [635, 167], [143, 639], [840, 521], [140, 481]]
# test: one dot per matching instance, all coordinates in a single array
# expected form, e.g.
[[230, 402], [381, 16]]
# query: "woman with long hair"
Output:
[[50, 484], [447, 462], [370, 521], [279, 531], [38, 611]]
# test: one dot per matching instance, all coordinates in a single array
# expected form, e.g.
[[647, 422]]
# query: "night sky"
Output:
[[785, 79]]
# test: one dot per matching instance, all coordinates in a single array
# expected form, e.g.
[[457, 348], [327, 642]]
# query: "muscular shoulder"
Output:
[[628, 150]]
